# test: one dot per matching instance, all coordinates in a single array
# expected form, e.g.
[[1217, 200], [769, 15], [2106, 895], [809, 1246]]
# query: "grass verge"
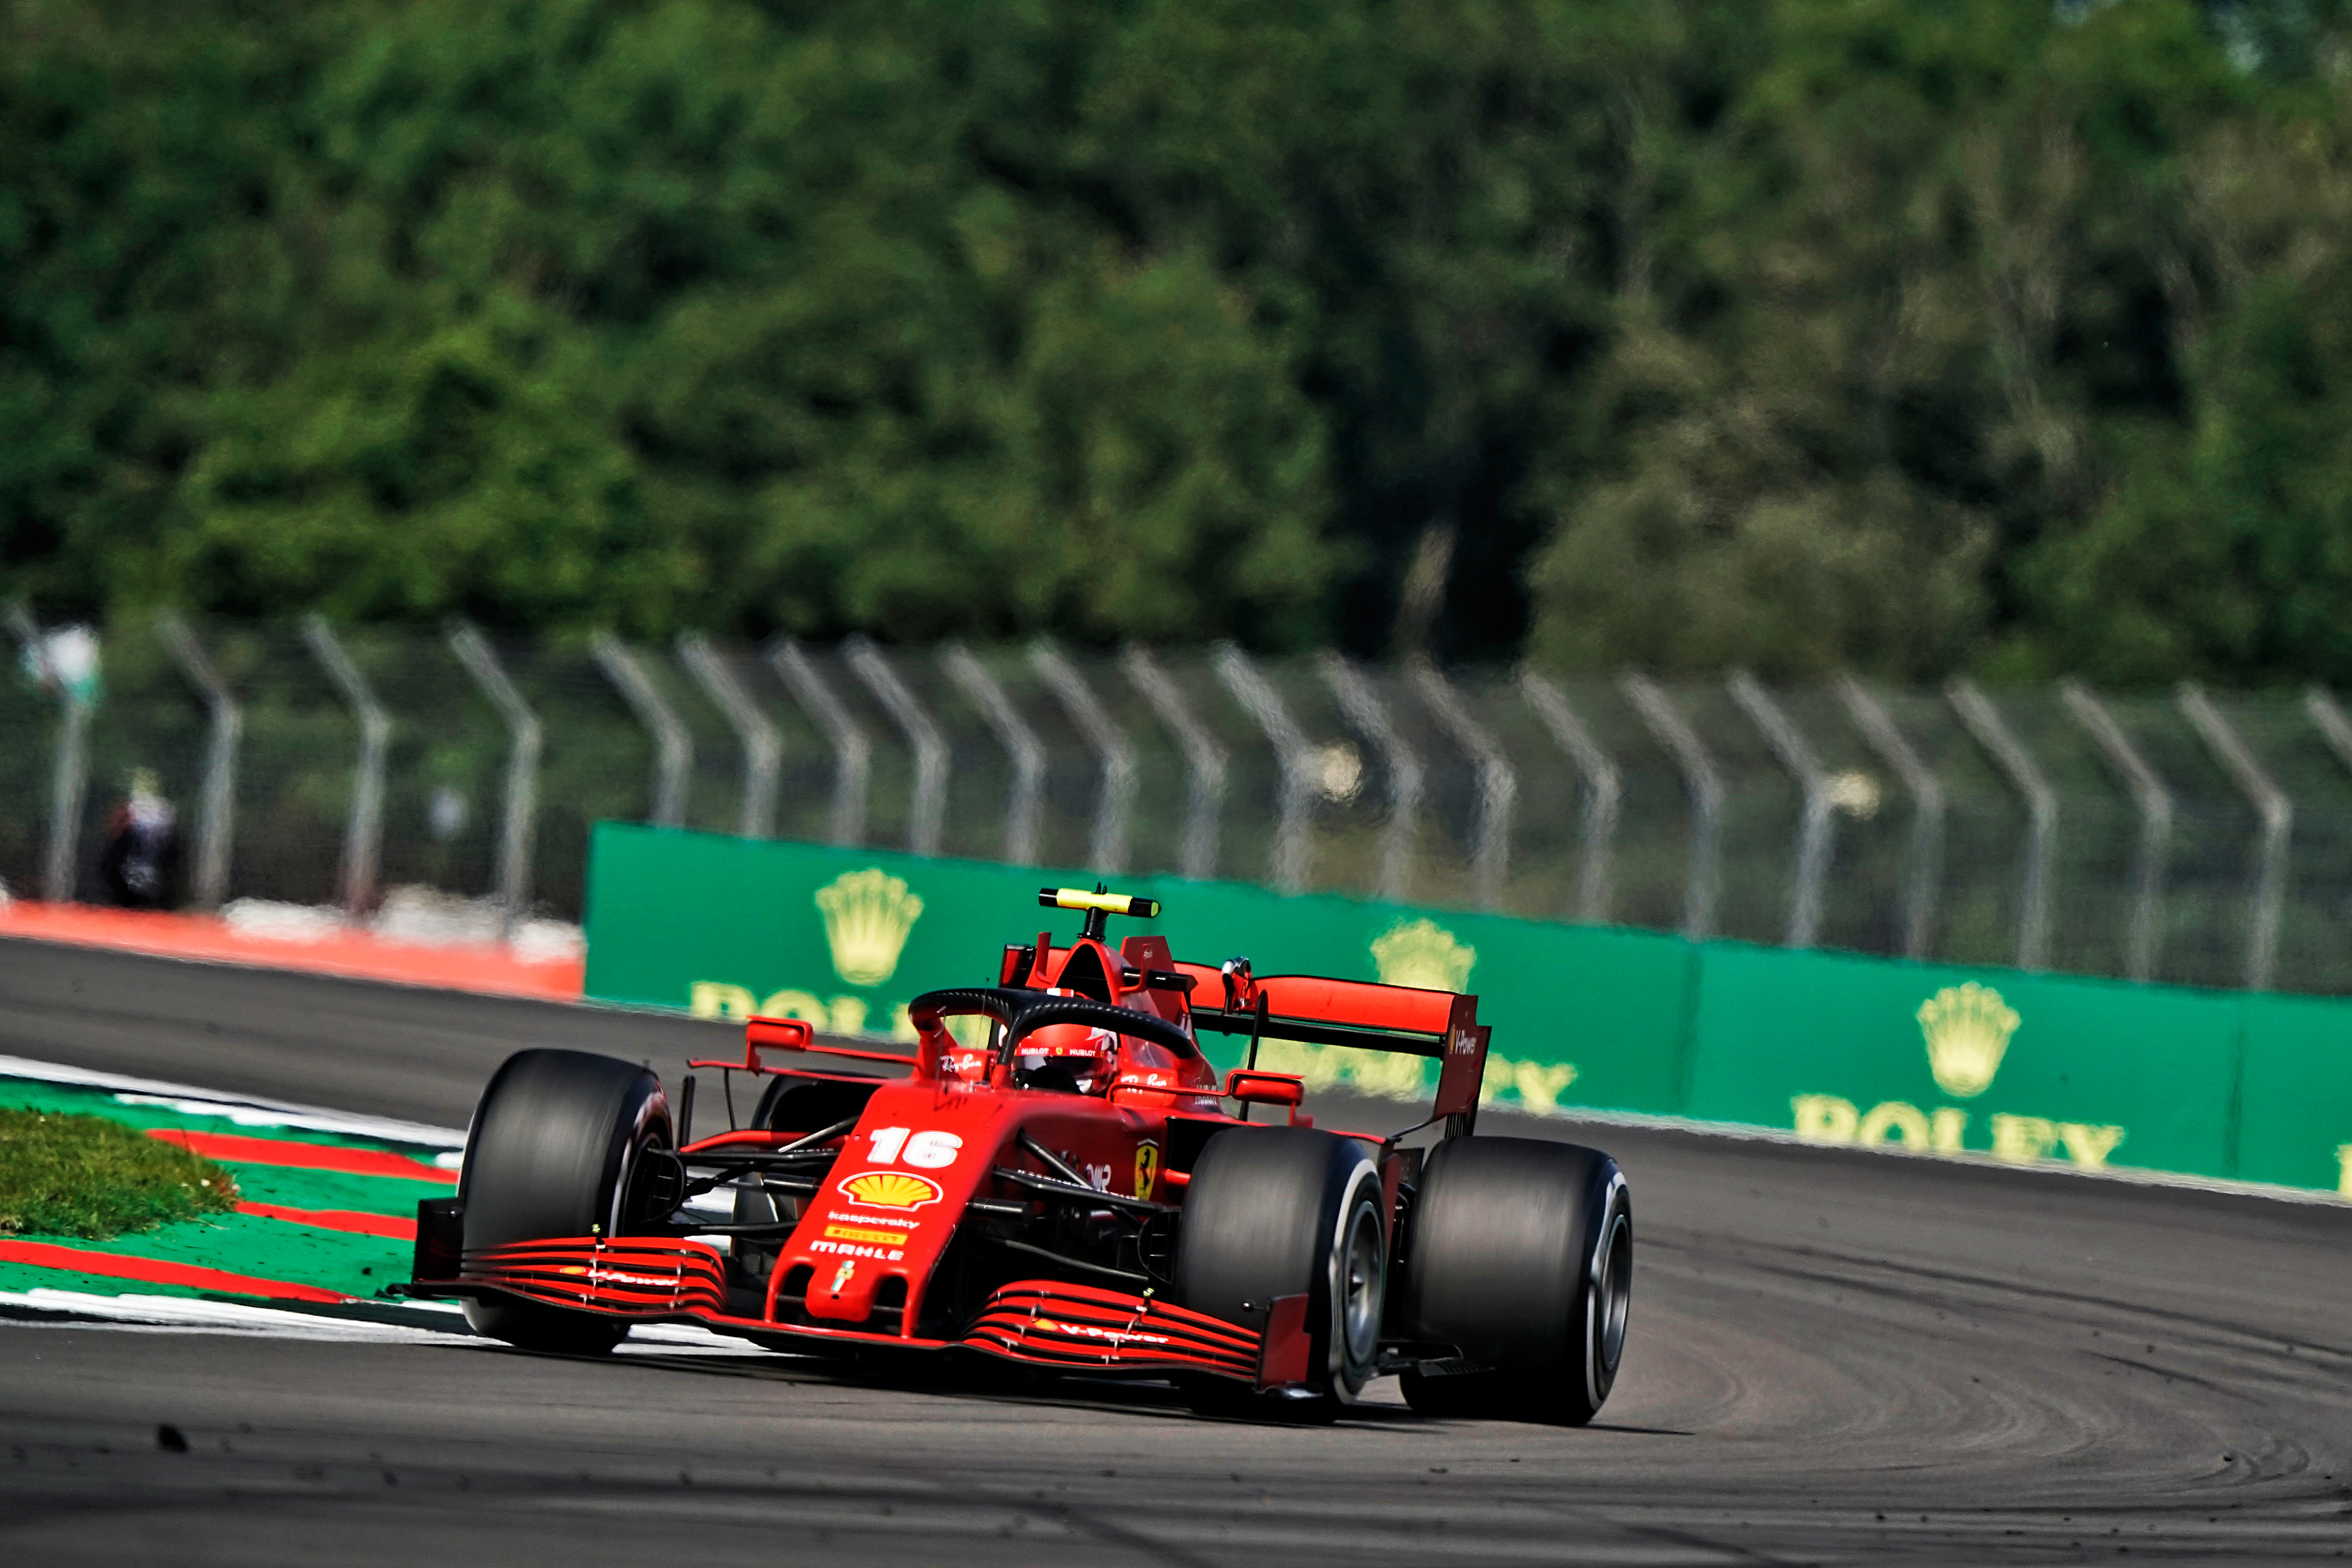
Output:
[[62, 1174]]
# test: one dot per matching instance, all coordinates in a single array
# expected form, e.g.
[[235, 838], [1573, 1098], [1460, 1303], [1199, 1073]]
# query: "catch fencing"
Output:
[[2191, 836]]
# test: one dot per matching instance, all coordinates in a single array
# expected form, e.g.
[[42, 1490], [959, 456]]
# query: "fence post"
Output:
[[70, 778], [1815, 825], [1107, 852], [2154, 803], [1704, 785], [1603, 792], [928, 810], [216, 832], [1926, 872], [1292, 756], [525, 739], [1984, 721], [2320, 707], [763, 748], [1205, 760], [1362, 706], [1498, 783], [363, 834], [1020, 743], [673, 747], [2277, 814], [853, 753]]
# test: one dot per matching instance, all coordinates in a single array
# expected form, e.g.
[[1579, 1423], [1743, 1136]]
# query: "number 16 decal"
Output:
[[929, 1150]]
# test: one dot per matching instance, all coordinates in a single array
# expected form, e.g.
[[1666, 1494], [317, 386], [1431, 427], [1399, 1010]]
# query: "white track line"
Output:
[[83, 1309], [244, 1110], [43, 1308]]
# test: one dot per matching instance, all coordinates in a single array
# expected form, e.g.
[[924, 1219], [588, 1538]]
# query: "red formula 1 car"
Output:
[[1057, 1180]]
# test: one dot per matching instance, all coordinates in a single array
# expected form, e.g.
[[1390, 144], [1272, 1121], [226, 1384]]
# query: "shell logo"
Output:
[[892, 1189]]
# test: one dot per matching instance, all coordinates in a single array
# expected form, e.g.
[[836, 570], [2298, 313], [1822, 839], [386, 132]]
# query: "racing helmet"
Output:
[[1074, 1057]]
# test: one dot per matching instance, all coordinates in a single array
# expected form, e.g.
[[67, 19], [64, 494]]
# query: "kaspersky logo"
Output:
[[869, 915], [1967, 1029]]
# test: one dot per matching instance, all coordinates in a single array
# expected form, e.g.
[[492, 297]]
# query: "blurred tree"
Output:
[[2226, 549], [2000, 333], [552, 312]]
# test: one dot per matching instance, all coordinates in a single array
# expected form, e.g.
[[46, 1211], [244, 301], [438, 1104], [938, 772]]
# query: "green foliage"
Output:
[[63, 1174], [2000, 333], [2226, 546]]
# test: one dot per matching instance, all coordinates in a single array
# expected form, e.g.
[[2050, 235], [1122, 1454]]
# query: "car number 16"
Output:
[[929, 1150]]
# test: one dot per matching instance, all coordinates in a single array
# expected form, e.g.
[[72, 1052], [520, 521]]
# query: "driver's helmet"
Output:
[[1066, 1057]]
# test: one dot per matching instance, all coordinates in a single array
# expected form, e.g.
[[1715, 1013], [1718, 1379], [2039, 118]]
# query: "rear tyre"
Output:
[[1287, 1211], [1521, 1254], [559, 1147]]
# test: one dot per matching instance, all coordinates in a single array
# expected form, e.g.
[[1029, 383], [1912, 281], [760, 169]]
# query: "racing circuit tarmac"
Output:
[[1835, 1357]]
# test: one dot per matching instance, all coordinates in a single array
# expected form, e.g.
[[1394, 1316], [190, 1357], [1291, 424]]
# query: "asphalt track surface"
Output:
[[1835, 1357]]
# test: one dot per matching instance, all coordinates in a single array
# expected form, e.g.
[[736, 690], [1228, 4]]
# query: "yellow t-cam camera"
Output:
[[1098, 905], [1108, 903]]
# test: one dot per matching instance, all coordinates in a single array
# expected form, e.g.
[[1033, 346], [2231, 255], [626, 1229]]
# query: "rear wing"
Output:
[[1314, 1010]]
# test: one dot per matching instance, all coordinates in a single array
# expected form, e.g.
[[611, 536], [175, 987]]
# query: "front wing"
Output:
[[1042, 1322]]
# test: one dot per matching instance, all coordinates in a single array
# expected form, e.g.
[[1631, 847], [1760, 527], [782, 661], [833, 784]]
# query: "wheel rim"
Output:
[[1362, 1280], [1613, 1295], [650, 1131]]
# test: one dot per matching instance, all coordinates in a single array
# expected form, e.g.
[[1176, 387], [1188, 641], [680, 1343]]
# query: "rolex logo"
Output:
[[1424, 954], [868, 915], [1968, 1029]]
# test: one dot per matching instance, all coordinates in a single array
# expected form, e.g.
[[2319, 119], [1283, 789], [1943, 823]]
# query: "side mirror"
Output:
[[1255, 1087]]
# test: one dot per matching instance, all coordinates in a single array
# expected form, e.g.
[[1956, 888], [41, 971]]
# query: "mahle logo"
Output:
[[1424, 955], [867, 916], [1968, 1029]]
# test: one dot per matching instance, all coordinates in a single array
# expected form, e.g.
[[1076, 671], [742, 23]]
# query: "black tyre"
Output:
[[1288, 1211], [1521, 1254], [557, 1148]]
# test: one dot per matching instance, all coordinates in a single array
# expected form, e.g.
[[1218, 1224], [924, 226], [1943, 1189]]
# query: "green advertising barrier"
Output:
[[845, 937], [2032, 1068], [1582, 1016], [2295, 1103]]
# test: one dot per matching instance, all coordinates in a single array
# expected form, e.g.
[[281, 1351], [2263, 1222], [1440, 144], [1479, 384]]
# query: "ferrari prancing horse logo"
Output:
[[1147, 1168]]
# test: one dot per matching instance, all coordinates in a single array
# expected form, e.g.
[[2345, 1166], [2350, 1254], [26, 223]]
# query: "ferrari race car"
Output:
[[1055, 1180]]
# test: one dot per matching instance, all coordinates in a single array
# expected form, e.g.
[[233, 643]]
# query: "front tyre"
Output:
[[1287, 1211], [559, 1147], [1522, 1255]]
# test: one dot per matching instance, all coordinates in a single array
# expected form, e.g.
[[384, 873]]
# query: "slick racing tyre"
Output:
[[557, 1148], [1287, 1211], [1521, 1255]]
